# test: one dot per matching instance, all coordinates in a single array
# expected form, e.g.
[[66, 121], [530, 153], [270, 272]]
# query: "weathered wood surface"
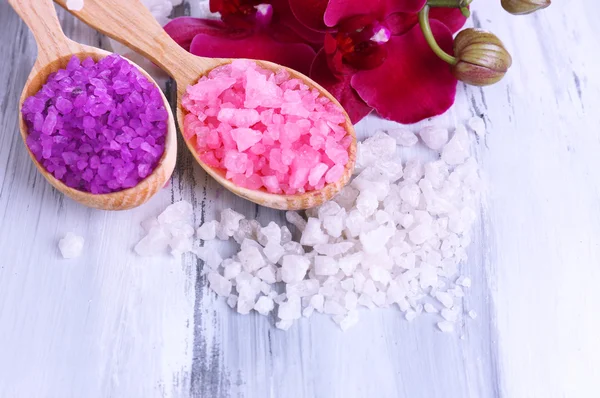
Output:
[[111, 324]]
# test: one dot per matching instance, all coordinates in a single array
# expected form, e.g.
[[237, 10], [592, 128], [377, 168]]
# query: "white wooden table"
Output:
[[111, 324]]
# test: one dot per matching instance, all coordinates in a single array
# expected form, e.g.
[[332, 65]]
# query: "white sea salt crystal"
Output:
[[232, 300], [293, 248], [411, 194], [464, 281], [267, 274], [458, 148], [378, 147], [271, 234], [375, 240], [472, 314], [293, 268], [230, 222], [325, 266], [284, 325], [232, 269], [251, 259], [410, 315], [403, 136], [448, 314], [154, 243], [445, 299], [220, 285], [349, 263], [317, 302], [428, 276], [367, 203], [75, 5], [434, 137], [295, 219], [273, 252], [264, 305], [286, 235], [208, 230], [290, 309], [354, 223], [413, 171], [445, 326], [477, 124], [334, 224], [420, 234], [313, 234], [304, 288], [177, 212], [346, 197], [333, 249], [429, 308], [347, 321], [71, 245]]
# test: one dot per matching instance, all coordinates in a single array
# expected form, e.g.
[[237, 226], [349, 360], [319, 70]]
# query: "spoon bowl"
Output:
[[146, 36], [54, 52]]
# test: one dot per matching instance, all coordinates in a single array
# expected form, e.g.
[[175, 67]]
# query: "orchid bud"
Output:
[[481, 58], [522, 7]]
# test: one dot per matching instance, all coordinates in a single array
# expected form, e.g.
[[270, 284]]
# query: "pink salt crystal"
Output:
[[334, 174], [316, 173], [238, 117], [271, 183], [245, 137], [235, 161], [299, 177], [265, 129]]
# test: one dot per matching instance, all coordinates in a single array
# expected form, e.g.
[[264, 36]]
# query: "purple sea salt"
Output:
[[98, 127]]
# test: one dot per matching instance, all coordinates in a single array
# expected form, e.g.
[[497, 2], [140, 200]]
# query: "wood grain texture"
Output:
[[113, 325]]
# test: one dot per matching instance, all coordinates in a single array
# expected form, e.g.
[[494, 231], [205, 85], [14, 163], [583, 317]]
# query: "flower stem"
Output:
[[449, 3], [426, 28]]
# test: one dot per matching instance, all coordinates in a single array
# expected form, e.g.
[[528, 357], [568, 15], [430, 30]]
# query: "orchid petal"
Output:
[[413, 83], [339, 87], [338, 10], [260, 46], [184, 29], [451, 17], [310, 13]]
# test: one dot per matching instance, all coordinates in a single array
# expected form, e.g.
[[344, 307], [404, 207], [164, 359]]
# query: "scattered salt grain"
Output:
[[71, 245], [429, 308], [464, 281], [445, 326], [477, 124], [208, 230], [472, 314], [434, 137], [403, 136]]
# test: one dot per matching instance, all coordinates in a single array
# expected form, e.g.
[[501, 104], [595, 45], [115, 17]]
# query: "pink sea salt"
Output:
[[98, 127], [266, 130]]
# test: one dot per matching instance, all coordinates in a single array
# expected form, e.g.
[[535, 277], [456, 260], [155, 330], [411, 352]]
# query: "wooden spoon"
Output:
[[130, 22], [54, 52]]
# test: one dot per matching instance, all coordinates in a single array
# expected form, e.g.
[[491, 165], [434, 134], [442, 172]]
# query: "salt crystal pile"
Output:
[[71, 245], [266, 130], [97, 127], [394, 237]]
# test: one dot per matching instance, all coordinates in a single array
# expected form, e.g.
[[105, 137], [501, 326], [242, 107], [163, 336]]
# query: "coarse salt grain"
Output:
[[266, 130], [71, 245], [98, 127]]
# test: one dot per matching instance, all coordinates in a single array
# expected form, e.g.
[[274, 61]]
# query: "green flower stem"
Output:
[[426, 28], [449, 3]]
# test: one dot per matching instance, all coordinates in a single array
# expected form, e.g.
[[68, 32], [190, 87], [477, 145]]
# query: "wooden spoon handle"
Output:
[[130, 23], [41, 18]]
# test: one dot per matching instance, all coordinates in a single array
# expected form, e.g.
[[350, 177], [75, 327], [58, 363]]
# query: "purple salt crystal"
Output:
[[98, 127]]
